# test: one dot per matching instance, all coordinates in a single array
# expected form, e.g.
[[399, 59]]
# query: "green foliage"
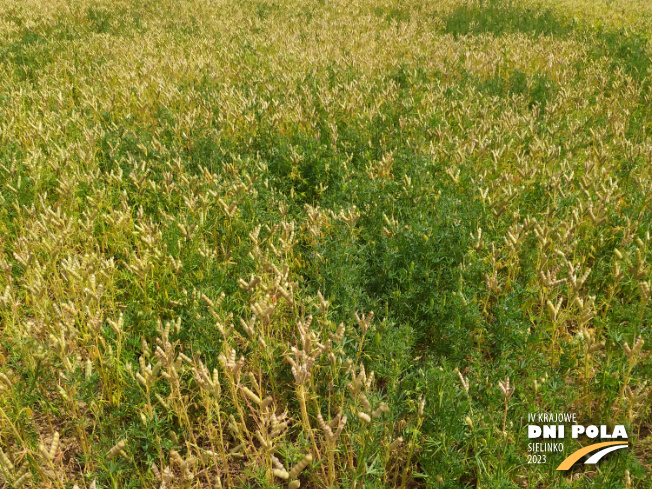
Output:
[[478, 178], [501, 17]]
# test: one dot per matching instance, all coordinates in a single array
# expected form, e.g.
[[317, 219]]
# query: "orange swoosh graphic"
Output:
[[575, 456]]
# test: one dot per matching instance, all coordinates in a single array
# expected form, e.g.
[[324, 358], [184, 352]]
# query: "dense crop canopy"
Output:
[[203, 201]]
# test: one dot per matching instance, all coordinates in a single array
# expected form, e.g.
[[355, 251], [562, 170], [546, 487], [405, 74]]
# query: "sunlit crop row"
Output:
[[202, 202]]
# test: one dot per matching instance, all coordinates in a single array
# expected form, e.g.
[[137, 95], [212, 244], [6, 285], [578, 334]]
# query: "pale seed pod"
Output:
[[300, 466], [233, 426], [380, 410], [554, 310], [206, 455], [89, 369], [644, 288], [116, 449], [4, 460], [294, 484], [632, 353], [23, 470], [262, 440], [395, 444], [161, 400], [167, 476], [365, 402], [43, 451], [175, 457], [207, 300], [364, 417], [251, 395], [5, 380], [237, 450], [21, 480], [146, 351], [280, 427], [281, 473], [266, 402], [465, 381], [54, 446], [277, 463], [340, 426], [339, 334], [327, 429], [156, 472]]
